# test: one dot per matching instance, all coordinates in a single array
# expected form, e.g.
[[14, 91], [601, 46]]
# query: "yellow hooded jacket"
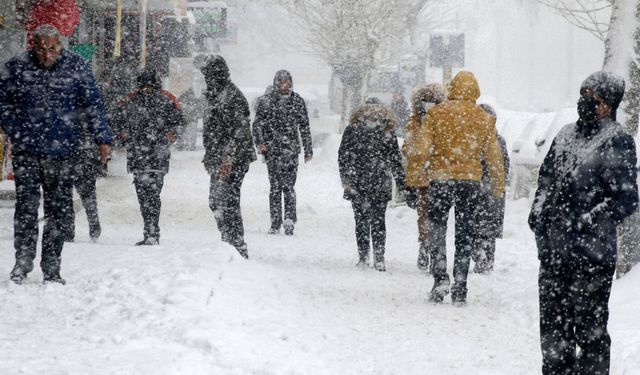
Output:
[[456, 134]]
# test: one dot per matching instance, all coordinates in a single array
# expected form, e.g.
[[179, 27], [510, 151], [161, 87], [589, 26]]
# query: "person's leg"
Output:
[[556, 320], [148, 187], [361, 217], [28, 179], [590, 296], [423, 230], [85, 185], [378, 233], [274, 171], [466, 234], [440, 202], [57, 188], [289, 176]]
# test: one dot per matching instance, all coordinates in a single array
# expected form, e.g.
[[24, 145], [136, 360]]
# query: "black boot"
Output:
[[363, 258], [378, 260], [242, 250], [423, 257]]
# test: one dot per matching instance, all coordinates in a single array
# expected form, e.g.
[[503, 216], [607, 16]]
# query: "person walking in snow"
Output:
[[228, 149], [586, 187], [150, 119], [450, 144], [490, 210], [368, 158], [47, 96], [281, 122], [416, 177]]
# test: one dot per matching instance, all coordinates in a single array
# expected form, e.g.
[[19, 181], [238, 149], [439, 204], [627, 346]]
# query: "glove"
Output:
[[411, 197]]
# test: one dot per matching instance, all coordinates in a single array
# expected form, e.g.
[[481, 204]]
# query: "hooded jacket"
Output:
[[432, 93], [226, 133], [369, 157], [282, 122], [456, 135]]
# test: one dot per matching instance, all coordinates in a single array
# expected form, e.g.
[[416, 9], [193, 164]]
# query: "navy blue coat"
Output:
[[44, 110], [586, 187]]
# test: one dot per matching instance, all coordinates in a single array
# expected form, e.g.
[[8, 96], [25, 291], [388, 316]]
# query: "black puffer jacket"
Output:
[[279, 120], [586, 187], [146, 117], [369, 156]]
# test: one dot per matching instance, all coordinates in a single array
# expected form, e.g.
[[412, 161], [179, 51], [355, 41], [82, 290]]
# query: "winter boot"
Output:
[[378, 260], [363, 259], [149, 241], [288, 227], [423, 257], [54, 278], [242, 250], [17, 275], [273, 230], [95, 231], [439, 290]]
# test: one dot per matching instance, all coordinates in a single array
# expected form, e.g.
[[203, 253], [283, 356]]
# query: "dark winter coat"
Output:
[[369, 157], [491, 208], [280, 123], [227, 130], [146, 117], [586, 187], [44, 110]]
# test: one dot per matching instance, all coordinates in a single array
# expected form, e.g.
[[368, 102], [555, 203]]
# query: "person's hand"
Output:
[[263, 147], [224, 171], [121, 136], [171, 137], [308, 158], [104, 153]]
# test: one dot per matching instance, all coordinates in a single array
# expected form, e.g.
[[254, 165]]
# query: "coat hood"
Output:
[[214, 66], [464, 86], [281, 76], [374, 112], [608, 86], [431, 93]]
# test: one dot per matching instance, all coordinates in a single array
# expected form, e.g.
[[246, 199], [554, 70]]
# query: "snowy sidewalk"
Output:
[[298, 306]]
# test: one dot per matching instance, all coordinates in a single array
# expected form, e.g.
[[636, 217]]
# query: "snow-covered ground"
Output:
[[298, 306]]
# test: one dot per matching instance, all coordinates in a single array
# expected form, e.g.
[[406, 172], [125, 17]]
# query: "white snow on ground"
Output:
[[298, 306]]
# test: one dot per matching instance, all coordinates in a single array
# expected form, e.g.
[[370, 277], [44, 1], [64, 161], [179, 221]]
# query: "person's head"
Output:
[[374, 116], [215, 71], [426, 97], [283, 82], [148, 80], [600, 96], [47, 45], [464, 86]]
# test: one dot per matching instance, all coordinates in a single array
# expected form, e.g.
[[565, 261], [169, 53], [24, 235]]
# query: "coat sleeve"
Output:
[[396, 162], [305, 128], [345, 158], [8, 86], [620, 176], [419, 151], [545, 190], [494, 158], [176, 120], [259, 123], [92, 107], [240, 127]]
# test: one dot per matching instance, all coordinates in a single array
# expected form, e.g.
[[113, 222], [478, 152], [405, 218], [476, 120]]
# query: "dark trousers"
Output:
[[370, 224], [574, 311], [224, 201], [55, 178], [148, 188], [463, 196], [282, 180], [84, 180]]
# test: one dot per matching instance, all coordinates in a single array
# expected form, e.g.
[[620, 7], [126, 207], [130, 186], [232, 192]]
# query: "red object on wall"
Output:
[[62, 14]]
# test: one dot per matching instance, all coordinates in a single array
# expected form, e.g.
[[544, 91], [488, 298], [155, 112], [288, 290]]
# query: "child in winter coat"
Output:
[[368, 158]]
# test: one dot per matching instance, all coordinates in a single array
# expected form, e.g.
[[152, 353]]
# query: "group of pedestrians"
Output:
[[51, 109]]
